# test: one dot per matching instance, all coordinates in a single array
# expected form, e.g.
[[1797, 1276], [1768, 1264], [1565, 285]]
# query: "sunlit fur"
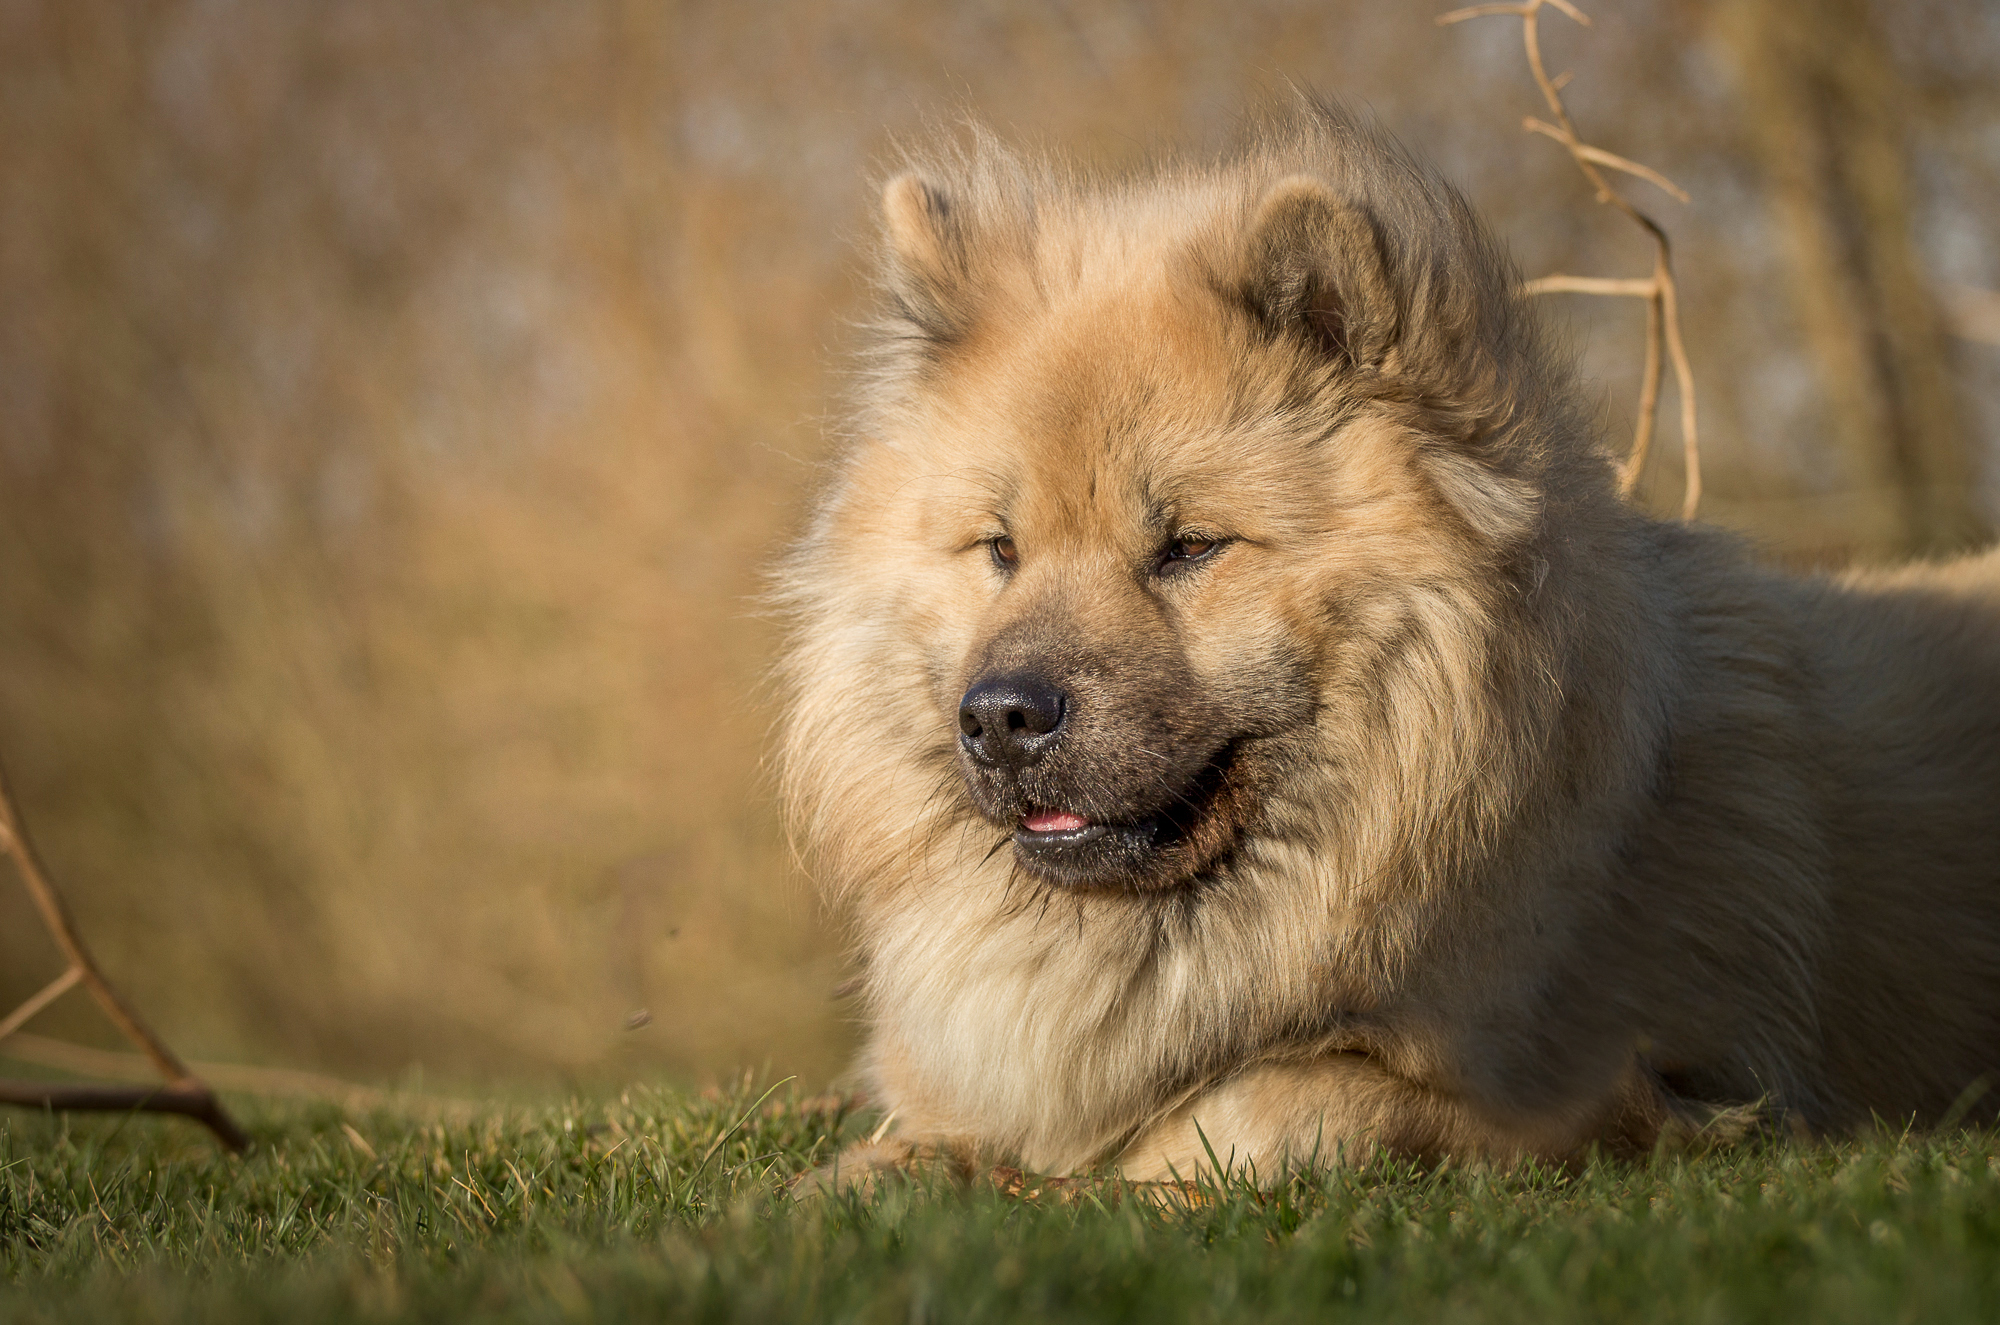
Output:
[[1575, 825]]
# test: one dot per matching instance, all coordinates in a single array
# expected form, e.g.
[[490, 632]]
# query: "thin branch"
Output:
[[190, 1101], [1519, 10], [48, 994], [1662, 295], [281, 1082], [1649, 397], [61, 925], [1482, 11], [1559, 284], [1602, 157], [1670, 312], [62, 928]]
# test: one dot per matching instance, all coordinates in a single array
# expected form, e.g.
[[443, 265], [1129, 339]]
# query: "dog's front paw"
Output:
[[866, 1166]]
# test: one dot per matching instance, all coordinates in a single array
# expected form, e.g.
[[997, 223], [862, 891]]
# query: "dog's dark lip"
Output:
[[1128, 855], [1059, 838], [1078, 857], [1059, 841]]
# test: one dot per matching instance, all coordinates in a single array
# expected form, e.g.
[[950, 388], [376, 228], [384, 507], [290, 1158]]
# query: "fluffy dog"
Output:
[[1239, 713]]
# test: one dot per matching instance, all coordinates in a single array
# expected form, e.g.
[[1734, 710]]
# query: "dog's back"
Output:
[[1909, 676]]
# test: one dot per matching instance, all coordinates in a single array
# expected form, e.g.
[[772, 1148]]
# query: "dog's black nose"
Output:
[[1010, 721]]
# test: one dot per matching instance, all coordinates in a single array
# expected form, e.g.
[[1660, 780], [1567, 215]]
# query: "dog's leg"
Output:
[[1344, 1107], [864, 1165]]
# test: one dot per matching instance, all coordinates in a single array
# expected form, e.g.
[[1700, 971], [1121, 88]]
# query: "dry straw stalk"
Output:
[[1662, 296], [182, 1091]]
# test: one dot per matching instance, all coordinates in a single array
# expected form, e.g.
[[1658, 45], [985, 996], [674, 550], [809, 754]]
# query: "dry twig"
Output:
[[182, 1092], [275, 1082], [1662, 296]]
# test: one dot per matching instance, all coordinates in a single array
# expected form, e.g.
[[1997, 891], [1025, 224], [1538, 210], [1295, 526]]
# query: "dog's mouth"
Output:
[[1195, 833], [1057, 825]]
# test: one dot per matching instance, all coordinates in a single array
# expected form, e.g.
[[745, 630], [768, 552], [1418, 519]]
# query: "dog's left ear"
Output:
[[1314, 268]]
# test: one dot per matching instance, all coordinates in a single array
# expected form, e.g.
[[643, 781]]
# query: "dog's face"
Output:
[[1146, 524], [1133, 637]]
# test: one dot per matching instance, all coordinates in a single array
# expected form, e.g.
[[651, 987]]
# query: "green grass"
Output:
[[606, 1210]]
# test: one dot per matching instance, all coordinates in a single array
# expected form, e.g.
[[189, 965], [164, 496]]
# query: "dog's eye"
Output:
[[1188, 548], [1004, 553]]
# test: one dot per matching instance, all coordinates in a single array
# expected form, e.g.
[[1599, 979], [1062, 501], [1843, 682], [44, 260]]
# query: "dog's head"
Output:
[[1157, 482]]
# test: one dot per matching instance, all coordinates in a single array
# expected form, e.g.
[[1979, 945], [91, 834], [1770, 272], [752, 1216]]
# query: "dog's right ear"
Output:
[[927, 270]]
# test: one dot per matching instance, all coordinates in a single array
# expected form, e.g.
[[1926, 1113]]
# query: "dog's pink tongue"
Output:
[[1054, 821]]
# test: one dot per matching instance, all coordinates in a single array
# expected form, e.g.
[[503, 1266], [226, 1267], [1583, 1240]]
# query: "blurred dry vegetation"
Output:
[[398, 401]]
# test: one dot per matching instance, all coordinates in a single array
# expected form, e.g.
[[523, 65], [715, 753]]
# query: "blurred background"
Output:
[[398, 402]]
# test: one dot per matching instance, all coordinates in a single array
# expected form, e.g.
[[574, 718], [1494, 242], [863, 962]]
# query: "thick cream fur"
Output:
[[1587, 824]]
